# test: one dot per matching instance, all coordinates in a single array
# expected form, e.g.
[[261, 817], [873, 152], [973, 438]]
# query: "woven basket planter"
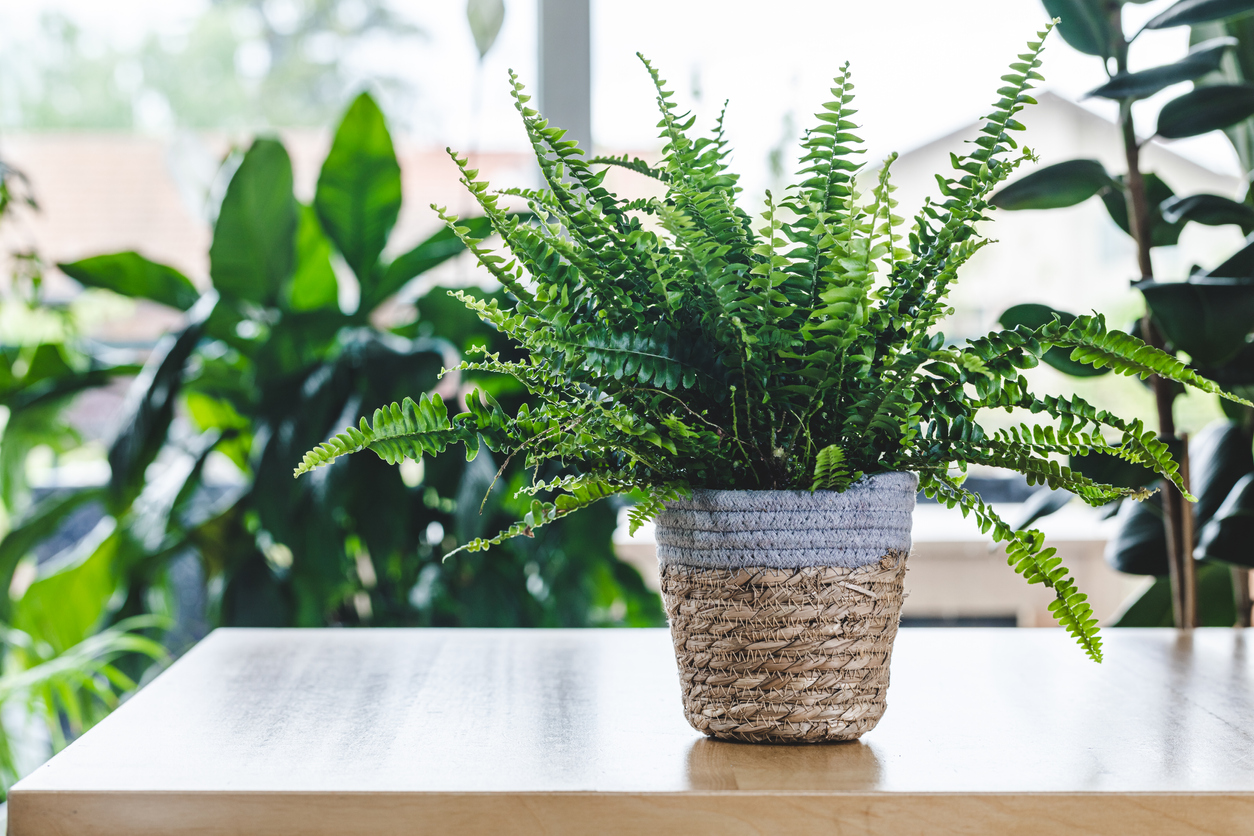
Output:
[[783, 606]]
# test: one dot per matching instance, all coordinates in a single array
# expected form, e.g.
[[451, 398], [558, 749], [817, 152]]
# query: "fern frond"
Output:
[[1026, 553]]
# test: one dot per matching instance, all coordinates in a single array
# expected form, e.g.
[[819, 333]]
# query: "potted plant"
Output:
[[773, 395]]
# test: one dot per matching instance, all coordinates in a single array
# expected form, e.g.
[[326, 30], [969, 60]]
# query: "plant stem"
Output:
[[1241, 588], [1176, 513]]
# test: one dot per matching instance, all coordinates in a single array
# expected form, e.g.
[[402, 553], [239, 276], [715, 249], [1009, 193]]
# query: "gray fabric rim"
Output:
[[789, 529]]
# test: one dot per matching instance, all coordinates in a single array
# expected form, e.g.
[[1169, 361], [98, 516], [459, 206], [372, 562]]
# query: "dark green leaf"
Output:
[[1202, 59], [1239, 265], [1208, 318], [254, 240], [40, 524], [1206, 109], [1112, 470], [1042, 503], [1083, 24], [1215, 602], [1219, 456], [1055, 186], [153, 395], [130, 274], [1139, 546], [1190, 12], [313, 284], [1157, 192], [1229, 534], [1208, 209], [1034, 316], [359, 190], [437, 249]]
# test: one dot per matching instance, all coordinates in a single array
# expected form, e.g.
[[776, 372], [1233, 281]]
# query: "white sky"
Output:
[[922, 67]]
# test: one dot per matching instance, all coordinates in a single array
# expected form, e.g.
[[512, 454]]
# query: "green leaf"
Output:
[[432, 252], [152, 397], [1206, 109], [1191, 12], [1208, 209], [485, 18], [1219, 456], [1215, 602], [1112, 470], [1139, 546], [1055, 186], [1034, 316], [68, 599], [1208, 318], [41, 523], [313, 284], [130, 274], [1115, 200], [359, 190], [1228, 535], [254, 240], [1201, 59], [1083, 24]]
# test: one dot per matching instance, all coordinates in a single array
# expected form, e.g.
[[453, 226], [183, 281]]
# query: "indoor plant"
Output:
[[766, 381]]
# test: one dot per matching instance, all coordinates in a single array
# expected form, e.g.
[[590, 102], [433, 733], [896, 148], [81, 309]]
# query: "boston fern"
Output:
[[672, 343]]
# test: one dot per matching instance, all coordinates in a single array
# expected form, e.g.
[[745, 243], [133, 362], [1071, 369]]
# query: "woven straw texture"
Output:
[[784, 655]]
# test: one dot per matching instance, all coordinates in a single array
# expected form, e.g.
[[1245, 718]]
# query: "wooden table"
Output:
[[572, 732]]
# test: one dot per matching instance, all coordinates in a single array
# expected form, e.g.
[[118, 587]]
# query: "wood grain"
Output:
[[478, 731]]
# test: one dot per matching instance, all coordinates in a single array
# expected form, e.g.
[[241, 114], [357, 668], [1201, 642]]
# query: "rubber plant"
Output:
[[1208, 316], [702, 351]]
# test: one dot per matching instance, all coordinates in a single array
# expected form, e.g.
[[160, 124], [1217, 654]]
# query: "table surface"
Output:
[[536, 730]]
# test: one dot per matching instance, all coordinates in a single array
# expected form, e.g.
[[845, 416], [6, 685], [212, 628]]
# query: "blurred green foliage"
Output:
[[267, 365]]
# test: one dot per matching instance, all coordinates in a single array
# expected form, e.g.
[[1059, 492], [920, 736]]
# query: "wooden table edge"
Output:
[[690, 812]]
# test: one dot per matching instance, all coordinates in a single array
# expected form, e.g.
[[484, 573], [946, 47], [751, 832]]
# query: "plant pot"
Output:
[[783, 606]]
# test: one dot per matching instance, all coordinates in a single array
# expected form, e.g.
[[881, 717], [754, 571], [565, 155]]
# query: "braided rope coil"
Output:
[[784, 655], [794, 653]]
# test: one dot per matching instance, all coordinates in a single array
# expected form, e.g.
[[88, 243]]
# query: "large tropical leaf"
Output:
[[254, 239], [313, 283], [150, 409], [1083, 24], [1216, 606], [1163, 234], [1229, 534], [1139, 546], [1206, 109], [1034, 316], [1219, 456], [434, 251], [43, 521], [1208, 209], [130, 274], [1201, 59], [1208, 318], [1054, 186], [359, 190], [1191, 12]]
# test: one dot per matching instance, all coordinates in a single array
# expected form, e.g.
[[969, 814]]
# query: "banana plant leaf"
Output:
[[1033, 315], [1208, 318]]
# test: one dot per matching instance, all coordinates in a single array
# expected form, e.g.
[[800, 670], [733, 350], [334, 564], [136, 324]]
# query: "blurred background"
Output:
[[161, 160]]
